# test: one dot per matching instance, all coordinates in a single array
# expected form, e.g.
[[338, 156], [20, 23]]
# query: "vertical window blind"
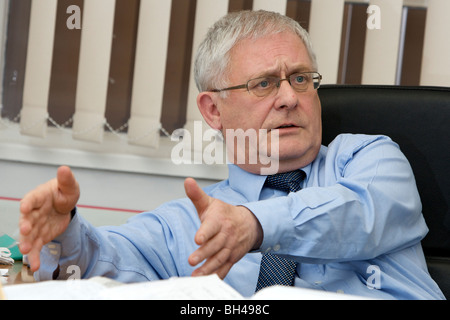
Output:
[[93, 72], [124, 77], [148, 88], [38, 65]]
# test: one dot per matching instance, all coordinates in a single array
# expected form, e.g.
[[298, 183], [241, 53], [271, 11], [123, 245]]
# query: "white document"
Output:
[[201, 288], [188, 288]]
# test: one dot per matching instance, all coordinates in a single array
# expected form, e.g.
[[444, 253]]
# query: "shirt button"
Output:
[[276, 248]]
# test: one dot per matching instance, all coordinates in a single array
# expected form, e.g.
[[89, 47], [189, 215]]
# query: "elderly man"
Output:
[[344, 218]]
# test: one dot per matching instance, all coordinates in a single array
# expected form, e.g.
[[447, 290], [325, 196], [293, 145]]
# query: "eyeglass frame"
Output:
[[279, 80]]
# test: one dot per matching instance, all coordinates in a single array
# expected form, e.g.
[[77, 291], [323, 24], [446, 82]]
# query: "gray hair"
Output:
[[212, 58]]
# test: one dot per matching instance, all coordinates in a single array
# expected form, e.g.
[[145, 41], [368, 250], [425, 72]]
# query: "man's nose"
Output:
[[286, 95]]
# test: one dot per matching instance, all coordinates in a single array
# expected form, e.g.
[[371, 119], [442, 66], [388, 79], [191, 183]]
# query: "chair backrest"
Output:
[[418, 119]]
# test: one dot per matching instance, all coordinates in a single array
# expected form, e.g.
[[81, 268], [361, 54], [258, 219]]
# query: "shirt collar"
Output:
[[307, 171], [245, 183], [249, 184]]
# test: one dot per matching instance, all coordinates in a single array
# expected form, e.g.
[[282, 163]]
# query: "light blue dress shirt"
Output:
[[355, 228]]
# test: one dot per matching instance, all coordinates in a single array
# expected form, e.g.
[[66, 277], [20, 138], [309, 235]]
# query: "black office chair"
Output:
[[418, 119]]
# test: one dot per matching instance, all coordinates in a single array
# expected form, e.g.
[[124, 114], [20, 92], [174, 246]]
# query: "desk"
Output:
[[18, 274]]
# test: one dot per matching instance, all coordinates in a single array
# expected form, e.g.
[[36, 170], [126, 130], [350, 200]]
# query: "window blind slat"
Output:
[[270, 5], [436, 62], [207, 13], [382, 45], [149, 74], [34, 112], [325, 29], [93, 72]]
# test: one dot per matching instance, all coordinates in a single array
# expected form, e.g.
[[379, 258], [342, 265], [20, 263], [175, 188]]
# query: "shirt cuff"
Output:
[[277, 224], [63, 246], [50, 255], [69, 240]]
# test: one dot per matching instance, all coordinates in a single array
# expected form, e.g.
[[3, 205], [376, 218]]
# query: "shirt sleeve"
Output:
[[364, 204], [137, 251], [79, 253]]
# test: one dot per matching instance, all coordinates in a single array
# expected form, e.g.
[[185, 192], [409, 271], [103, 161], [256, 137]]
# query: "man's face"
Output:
[[294, 116]]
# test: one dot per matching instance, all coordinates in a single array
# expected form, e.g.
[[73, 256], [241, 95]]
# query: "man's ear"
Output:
[[207, 105]]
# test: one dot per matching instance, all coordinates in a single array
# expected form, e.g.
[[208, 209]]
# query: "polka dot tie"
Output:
[[276, 270]]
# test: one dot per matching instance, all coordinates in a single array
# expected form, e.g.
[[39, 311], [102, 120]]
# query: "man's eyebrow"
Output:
[[275, 72], [301, 68]]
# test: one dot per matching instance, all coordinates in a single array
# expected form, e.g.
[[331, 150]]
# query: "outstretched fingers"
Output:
[[45, 213]]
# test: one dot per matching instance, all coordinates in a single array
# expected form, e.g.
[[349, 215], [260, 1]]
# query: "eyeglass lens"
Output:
[[299, 81]]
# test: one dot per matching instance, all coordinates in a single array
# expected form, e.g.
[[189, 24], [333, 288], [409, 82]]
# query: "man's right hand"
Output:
[[45, 214]]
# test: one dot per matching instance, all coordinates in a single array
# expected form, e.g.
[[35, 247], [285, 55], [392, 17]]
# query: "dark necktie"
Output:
[[276, 270]]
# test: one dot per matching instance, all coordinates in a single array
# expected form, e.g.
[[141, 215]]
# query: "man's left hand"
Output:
[[227, 233]]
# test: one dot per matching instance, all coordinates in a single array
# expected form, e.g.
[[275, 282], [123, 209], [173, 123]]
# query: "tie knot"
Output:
[[289, 181]]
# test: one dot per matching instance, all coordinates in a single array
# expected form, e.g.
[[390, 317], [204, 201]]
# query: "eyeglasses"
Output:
[[264, 86]]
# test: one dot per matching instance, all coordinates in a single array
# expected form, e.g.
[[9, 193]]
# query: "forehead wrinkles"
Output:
[[251, 60]]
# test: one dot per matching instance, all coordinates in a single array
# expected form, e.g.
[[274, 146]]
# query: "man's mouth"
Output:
[[285, 126]]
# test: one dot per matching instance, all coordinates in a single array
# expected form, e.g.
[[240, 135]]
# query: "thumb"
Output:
[[198, 197], [68, 188], [66, 180]]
